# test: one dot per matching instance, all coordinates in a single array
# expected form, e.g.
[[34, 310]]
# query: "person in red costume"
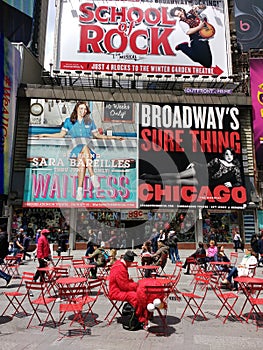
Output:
[[43, 254], [121, 287]]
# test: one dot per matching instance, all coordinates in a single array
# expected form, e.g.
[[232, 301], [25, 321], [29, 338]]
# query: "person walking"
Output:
[[237, 240], [173, 247], [3, 253], [43, 254], [36, 241], [26, 243]]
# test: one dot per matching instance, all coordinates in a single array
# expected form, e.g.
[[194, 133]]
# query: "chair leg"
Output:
[[17, 307]]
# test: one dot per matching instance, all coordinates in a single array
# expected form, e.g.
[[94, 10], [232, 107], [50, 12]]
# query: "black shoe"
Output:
[[8, 281], [179, 46]]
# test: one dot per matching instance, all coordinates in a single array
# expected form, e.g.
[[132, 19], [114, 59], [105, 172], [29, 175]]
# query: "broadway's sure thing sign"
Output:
[[190, 156]]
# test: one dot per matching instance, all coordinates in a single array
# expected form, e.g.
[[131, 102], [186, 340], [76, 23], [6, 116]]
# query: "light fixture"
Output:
[[36, 109]]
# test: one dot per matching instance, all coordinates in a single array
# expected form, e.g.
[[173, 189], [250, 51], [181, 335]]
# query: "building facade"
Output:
[[159, 105]]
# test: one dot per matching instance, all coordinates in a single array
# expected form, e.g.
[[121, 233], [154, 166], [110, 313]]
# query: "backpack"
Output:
[[130, 321], [106, 255]]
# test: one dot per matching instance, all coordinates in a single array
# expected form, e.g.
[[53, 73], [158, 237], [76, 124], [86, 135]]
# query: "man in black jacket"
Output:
[[198, 255], [3, 252]]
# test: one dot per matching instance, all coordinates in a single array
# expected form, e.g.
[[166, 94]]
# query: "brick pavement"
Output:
[[205, 335]]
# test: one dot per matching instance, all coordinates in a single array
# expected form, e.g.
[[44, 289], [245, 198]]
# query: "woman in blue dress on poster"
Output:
[[81, 127]]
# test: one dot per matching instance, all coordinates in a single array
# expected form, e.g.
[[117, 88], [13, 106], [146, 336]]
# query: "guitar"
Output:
[[208, 30]]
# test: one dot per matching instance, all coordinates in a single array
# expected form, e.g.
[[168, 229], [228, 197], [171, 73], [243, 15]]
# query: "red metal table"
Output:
[[143, 269], [251, 287], [220, 268]]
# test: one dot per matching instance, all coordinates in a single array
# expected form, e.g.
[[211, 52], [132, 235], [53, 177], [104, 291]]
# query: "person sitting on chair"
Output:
[[98, 259], [211, 252], [146, 253], [192, 258], [121, 287], [242, 269], [160, 257]]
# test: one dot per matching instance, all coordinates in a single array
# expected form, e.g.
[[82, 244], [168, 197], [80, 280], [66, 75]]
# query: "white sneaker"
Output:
[[95, 181], [79, 195]]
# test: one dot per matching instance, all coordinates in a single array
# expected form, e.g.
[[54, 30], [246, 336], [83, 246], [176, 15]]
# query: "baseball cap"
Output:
[[45, 231], [129, 256]]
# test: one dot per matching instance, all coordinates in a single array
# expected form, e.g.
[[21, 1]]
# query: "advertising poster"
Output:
[[256, 82], [78, 159], [146, 37], [249, 24], [190, 157], [9, 78]]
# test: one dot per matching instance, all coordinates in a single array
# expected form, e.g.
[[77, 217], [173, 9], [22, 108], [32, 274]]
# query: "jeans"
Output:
[[42, 263], [4, 275], [174, 254], [232, 274]]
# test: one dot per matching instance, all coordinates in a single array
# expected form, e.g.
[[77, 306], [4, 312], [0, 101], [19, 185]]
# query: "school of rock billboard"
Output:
[[142, 156], [145, 37]]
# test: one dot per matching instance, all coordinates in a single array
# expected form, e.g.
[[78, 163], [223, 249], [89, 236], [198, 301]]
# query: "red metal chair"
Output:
[[175, 278], [12, 264], [227, 299], [74, 298], [233, 258], [116, 305], [195, 299], [95, 286], [40, 304], [256, 309], [61, 271], [16, 298], [252, 270], [62, 259]]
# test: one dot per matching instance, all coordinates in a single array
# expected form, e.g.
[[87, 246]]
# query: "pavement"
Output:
[[211, 334]]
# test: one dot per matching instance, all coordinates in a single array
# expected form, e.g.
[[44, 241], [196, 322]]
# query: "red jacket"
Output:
[[121, 286], [43, 249]]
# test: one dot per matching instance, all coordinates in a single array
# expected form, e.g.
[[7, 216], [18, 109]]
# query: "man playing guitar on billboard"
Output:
[[199, 32]]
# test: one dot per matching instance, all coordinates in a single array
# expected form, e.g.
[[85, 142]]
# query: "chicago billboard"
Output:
[[146, 37], [190, 156]]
